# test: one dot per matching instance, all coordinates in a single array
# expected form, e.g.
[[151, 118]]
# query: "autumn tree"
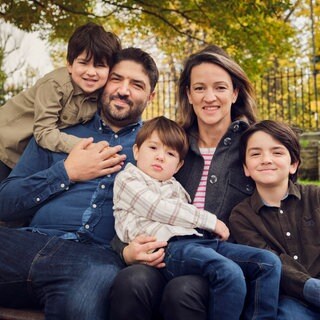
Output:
[[253, 32], [8, 46], [263, 36]]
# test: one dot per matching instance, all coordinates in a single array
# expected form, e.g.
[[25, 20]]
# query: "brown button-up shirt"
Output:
[[291, 231]]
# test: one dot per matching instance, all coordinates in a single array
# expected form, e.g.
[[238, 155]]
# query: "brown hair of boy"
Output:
[[169, 132], [96, 42], [280, 132]]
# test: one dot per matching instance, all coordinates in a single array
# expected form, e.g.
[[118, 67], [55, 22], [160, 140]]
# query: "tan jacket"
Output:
[[53, 103]]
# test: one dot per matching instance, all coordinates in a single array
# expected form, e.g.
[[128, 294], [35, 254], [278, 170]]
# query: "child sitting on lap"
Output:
[[148, 200]]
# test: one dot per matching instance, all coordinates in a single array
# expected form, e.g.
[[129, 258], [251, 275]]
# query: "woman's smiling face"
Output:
[[211, 93]]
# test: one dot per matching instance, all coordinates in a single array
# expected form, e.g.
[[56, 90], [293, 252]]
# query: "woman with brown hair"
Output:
[[216, 104]]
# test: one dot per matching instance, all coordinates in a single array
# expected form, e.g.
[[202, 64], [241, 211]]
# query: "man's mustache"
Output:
[[122, 98]]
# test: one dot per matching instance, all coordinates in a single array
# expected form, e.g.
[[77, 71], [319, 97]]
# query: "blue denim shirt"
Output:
[[39, 188]]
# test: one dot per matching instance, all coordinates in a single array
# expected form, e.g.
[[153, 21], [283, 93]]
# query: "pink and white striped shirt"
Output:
[[200, 196]]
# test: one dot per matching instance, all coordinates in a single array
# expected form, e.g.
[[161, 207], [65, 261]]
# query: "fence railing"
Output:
[[290, 95]]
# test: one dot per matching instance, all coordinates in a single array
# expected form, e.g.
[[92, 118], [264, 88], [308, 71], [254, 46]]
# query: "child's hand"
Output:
[[222, 230]]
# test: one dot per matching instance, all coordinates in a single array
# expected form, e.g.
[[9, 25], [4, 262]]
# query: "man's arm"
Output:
[[37, 178]]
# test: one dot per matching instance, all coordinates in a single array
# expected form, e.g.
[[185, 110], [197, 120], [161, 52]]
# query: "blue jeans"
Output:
[[293, 309], [69, 280], [311, 291], [235, 272]]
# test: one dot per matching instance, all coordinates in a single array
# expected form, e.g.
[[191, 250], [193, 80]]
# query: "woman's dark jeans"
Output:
[[181, 298]]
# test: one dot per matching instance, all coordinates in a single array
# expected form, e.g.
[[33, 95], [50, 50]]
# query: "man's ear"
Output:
[[135, 150], [151, 96], [179, 166], [246, 172]]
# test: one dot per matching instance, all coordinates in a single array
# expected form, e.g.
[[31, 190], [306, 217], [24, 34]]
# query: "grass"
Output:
[[317, 183]]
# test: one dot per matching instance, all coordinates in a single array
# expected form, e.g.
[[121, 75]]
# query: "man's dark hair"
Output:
[[141, 57], [96, 42], [280, 132]]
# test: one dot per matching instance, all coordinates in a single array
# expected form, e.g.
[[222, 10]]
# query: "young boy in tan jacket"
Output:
[[62, 98]]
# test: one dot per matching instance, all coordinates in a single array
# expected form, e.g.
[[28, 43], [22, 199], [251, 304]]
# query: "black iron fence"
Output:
[[290, 95]]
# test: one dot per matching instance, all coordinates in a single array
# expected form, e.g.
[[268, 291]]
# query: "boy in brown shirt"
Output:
[[281, 216]]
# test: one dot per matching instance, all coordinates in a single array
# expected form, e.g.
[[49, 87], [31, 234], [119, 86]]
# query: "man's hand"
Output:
[[142, 250], [89, 160], [222, 230]]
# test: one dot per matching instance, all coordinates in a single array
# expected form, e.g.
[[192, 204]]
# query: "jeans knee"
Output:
[[141, 288], [87, 296], [231, 276], [270, 258], [270, 261], [188, 288], [185, 297], [138, 278]]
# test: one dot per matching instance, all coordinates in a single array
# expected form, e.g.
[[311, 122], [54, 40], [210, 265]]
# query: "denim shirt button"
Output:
[[249, 188], [227, 141], [86, 226], [116, 136], [295, 257], [213, 179]]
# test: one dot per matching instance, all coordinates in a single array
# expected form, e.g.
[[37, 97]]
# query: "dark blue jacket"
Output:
[[227, 185]]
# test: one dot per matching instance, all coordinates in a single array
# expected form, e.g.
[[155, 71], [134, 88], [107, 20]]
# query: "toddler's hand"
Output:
[[222, 230]]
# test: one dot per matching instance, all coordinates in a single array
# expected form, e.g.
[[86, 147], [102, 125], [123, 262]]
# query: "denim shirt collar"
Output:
[[98, 124]]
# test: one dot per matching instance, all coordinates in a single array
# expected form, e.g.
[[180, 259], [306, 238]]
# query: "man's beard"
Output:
[[120, 117]]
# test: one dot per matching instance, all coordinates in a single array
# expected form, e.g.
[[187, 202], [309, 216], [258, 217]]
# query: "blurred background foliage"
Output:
[[264, 37]]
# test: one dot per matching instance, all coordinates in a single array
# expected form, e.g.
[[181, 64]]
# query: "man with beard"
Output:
[[62, 260]]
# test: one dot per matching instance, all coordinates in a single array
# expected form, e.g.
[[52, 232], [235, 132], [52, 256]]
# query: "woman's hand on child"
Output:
[[222, 230], [146, 250]]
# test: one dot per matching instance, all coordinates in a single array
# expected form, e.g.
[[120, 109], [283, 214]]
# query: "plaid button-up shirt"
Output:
[[143, 205]]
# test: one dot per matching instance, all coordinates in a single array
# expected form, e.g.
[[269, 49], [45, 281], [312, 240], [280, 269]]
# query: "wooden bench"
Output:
[[20, 314]]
